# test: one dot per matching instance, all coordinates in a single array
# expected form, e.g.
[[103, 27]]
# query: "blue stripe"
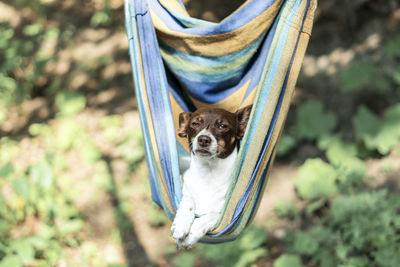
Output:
[[161, 120]]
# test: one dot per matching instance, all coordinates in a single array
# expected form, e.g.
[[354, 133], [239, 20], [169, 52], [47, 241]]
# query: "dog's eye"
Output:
[[195, 124], [221, 126]]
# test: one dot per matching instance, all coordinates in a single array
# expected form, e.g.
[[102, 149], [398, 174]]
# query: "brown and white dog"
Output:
[[213, 136]]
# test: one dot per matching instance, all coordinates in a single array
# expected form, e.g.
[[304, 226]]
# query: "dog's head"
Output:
[[213, 131]]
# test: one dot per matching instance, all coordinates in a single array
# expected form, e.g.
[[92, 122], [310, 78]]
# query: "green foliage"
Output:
[[358, 227], [313, 122], [70, 103], [286, 143], [316, 179], [23, 63], [111, 126], [382, 135], [286, 209], [358, 76], [288, 260], [240, 253], [157, 216]]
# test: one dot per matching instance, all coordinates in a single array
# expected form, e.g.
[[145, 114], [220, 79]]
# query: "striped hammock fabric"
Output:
[[181, 63]]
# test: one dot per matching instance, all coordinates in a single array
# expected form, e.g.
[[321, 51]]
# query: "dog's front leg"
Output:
[[200, 227], [183, 219]]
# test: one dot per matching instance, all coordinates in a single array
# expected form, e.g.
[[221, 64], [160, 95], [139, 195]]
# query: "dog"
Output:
[[214, 137]]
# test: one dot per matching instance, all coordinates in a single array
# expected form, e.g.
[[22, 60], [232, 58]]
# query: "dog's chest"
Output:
[[208, 183]]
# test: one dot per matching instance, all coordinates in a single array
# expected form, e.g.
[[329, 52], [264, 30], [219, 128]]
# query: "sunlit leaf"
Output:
[[11, 260], [21, 187], [38, 128], [70, 103], [316, 179], [42, 174], [71, 226], [24, 250], [33, 29], [100, 18]]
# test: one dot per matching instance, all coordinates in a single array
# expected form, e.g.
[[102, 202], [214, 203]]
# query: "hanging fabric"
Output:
[[181, 63]]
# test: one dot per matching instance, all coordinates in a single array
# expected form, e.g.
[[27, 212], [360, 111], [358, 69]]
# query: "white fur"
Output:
[[205, 185]]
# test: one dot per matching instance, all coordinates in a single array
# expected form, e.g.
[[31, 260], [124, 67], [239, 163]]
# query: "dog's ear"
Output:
[[184, 118], [242, 117]]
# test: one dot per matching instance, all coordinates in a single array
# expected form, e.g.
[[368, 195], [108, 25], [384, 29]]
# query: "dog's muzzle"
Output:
[[205, 144]]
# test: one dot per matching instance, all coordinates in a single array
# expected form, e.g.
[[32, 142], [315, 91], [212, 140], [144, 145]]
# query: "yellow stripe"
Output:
[[220, 44]]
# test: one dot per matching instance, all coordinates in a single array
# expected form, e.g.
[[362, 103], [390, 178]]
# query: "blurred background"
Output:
[[73, 178]]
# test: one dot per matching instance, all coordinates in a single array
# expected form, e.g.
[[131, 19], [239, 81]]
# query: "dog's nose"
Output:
[[204, 141]]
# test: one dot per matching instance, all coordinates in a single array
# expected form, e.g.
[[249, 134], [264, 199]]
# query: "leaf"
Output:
[[24, 250], [313, 122], [68, 133], [111, 126], [358, 76], [250, 256], [253, 238], [286, 209], [42, 174], [70, 103], [33, 29], [71, 226], [338, 151], [366, 123], [90, 153], [288, 260], [11, 260], [304, 243], [100, 18], [21, 187], [6, 170], [38, 128], [316, 179], [382, 135]]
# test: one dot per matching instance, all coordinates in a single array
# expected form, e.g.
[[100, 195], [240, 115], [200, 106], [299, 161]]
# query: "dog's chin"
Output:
[[203, 153]]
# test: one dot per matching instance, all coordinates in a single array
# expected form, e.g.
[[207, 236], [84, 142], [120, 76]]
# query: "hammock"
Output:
[[181, 63]]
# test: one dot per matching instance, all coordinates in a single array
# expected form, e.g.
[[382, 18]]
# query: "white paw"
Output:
[[181, 227], [198, 230], [179, 231]]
